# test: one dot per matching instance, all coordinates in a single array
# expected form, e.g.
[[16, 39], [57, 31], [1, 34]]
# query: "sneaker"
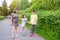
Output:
[[22, 33], [30, 35], [13, 37], [33, 34], [16, 35]]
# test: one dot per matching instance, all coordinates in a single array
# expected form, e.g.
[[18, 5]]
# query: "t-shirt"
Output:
[[14, 17], [33, 19], [24, 20]]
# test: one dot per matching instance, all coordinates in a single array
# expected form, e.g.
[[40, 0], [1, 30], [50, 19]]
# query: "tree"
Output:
[[24, 4], [0, 8], [46, 4], [4, 8], [0, 11], [13, 6]]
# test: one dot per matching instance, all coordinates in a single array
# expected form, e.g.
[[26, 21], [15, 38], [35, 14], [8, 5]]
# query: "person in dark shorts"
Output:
[[14, 24]]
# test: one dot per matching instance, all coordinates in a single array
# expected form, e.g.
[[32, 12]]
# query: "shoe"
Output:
[[33, 34], [22, 33], [16, 35], [30, 35], [13, 37]]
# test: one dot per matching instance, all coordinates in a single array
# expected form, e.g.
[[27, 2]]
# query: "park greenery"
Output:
[[48, 12], [48, 18]]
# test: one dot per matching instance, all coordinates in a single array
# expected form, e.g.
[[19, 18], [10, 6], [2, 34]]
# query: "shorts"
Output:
[[22, 25], [15, 24]]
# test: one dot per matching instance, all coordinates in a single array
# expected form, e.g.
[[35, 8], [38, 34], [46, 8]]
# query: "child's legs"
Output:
[[23, 29], [32, 29]]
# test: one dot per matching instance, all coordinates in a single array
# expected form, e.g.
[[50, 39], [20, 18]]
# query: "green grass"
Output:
[[1, 17]]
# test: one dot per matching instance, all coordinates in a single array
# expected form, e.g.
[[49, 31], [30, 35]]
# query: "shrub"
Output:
[[48, 25]]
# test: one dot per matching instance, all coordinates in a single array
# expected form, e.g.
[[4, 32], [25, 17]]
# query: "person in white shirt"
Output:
[[33, 22], [24, 20]]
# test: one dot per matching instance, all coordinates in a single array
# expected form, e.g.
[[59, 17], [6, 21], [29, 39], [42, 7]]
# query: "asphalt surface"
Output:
[[5, 32]]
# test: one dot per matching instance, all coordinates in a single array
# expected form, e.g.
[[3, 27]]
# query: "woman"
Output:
[[14, 23]]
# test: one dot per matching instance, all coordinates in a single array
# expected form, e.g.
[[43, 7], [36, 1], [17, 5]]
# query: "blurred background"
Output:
[[48, 12]]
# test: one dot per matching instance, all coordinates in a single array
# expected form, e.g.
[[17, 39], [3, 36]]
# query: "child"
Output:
[[24, 20], [33, 22]]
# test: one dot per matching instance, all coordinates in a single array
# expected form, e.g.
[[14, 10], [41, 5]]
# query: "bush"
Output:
[[48, 25]]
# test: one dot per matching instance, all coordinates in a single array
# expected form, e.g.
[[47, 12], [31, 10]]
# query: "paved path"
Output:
[[5, 32]]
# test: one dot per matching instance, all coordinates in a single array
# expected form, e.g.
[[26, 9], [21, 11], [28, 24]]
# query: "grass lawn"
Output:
[[1, 17]]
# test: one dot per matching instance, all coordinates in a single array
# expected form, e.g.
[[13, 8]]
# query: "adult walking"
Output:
[[14, 23]]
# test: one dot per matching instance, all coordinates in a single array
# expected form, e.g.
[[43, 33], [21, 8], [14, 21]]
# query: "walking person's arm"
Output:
[[11, 20], [20, 19], [29, 21]]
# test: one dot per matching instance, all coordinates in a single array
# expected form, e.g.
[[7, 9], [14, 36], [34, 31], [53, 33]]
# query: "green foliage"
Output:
[[44, 5], [0, 11], [23, 4], [48, 24], [13, 6], [0, 8]]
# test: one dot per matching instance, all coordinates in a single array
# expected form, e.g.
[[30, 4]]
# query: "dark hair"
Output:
[[14, 11], [23, 15], [33, 10]]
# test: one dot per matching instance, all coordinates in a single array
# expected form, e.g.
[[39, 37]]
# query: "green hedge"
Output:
[[48, 25]]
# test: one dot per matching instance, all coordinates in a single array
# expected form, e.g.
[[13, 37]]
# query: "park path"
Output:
[[5, 32]]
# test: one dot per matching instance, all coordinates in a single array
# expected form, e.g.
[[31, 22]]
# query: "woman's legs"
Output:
[[13, 31], [16, 31]]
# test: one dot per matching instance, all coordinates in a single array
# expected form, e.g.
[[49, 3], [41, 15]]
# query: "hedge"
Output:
[[48, 25]]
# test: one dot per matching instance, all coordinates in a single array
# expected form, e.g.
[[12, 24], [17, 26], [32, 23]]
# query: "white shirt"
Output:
[[33, 19], [24, 20]]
